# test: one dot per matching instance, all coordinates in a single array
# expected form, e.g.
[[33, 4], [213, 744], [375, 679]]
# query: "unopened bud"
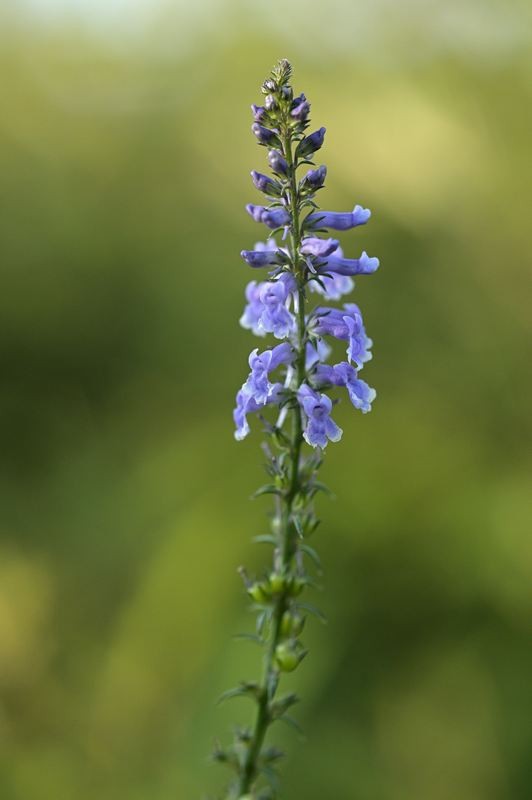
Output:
[[311, 143], [259, 593], [276, 583], [292, 624], [287, 656]]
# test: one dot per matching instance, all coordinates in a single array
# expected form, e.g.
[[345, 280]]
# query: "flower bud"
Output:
[[258, 593], [269, 85], [265, 135], [265, 184], [311, 143], [300, 108], [259, 112], [275, 217], [270, 102], [277, 162], [287, 657], [260, 258], [315, 178], [292, 624], [276, 583]]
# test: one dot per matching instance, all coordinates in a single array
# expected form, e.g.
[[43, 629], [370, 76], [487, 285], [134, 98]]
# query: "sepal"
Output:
[[249, 689]]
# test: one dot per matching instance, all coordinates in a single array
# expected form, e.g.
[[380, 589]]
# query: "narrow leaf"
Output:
[[246, 689], [312, 554], [266, 538], [271, 776], [314, 611], [293, 724], [269, 488], [321, 487]]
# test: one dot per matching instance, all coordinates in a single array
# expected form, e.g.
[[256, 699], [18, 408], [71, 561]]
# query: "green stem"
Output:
[[250, 767]]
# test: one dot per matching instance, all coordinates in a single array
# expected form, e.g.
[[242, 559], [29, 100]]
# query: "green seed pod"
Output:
[[292, 624], [276, 583], [258, 592], [286, 657]]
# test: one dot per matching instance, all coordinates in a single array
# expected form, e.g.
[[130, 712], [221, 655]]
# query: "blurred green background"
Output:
[[125, 153]]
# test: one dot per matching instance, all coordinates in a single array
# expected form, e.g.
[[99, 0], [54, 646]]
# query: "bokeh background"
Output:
[[125, 153]]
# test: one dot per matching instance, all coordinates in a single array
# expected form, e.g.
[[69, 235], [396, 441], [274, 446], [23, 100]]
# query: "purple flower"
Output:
[[272, 217], [332, 287], [276, 217], [310, 144], [255, 211], [274, 297], [315, 178], [316, 353], [259, 112], [258, 384], [346, 325], [343, 374], [300, 108], [319, 427], [265, 184], [262, 256], [321, 248], [350, 266], [245, 404], [277, 162], [258, 258], [251, 318], [267, 307], [338, 220], [265, 135]]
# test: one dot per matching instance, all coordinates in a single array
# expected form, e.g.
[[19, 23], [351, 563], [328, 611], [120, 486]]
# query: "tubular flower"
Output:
[[245, 404], [338, 220], [333, 286], [319, 427], [272, 217], [344, 374], [263, 255], [267, 309], [258, 385], [346, 325], [348, 266], [321, 248]]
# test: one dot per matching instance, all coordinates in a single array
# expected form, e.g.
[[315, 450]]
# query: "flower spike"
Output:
[[289, 389]]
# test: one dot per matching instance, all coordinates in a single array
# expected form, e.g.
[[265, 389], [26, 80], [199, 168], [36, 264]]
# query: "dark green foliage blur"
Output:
[[124, 500]]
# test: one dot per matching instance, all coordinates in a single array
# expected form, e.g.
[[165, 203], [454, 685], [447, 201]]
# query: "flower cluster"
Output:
[[291, 382], [312, 263]]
